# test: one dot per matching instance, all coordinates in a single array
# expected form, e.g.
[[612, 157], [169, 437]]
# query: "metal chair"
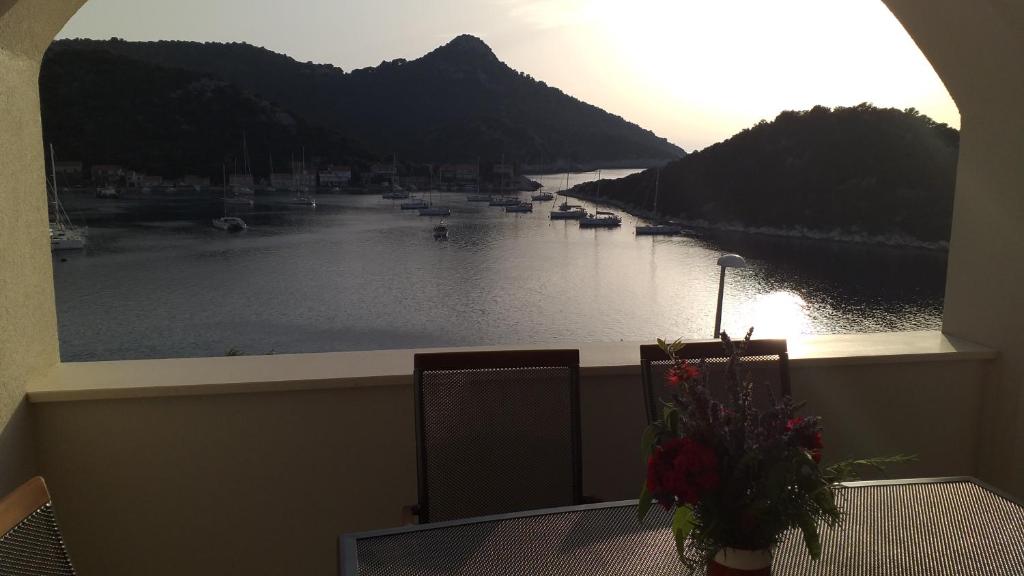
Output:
[[765, 362], [496, 432], [31, 544]]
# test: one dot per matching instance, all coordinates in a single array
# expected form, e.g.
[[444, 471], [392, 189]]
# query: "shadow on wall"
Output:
[[16, 448]]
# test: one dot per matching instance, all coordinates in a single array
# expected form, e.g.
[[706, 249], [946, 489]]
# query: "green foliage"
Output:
[[682, 524], [456, 103], [858, 170]]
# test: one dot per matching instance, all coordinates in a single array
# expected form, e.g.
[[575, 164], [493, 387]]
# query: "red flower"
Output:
[[681, 469], [681, 372], [808, 437]]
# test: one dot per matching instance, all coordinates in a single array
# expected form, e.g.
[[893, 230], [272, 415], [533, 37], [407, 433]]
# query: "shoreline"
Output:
[[894, 241]]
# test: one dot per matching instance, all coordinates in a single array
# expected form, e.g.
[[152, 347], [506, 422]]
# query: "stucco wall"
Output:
[[263, 483], [977, 46], [28, 334]]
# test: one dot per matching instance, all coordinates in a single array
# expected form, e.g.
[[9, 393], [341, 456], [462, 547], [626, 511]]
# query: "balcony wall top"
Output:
[[82, 381]]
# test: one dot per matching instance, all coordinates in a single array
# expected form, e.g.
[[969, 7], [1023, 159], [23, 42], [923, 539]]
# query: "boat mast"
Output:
[[245, 155], [657, 186], [56, 199], [224, 175]]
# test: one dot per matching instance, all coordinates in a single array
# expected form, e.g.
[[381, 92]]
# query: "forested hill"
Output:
[[99, 107], [861, 171], [457, 103]]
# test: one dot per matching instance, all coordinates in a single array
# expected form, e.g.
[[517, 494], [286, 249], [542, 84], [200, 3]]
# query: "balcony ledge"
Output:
[[81, 381]]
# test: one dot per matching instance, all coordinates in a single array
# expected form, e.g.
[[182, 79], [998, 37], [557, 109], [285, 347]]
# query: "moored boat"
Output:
[[601, 220], [659, 230], [416, 204], [574, 213], [543, 197], [229, 223], [107, 192], [441, 231], [503, 201], [63, 234], [520, 208]]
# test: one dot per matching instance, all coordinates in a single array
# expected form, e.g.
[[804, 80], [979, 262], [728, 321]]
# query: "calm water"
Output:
[[357, 273]]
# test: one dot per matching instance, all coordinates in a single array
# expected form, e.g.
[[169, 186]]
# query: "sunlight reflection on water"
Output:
[[357, 273]]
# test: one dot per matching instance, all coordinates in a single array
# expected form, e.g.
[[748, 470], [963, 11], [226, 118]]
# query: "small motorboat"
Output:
[[543, 197], [229, 224], [441, 231]]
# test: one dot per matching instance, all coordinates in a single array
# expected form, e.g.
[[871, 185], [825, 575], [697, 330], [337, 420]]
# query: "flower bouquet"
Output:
[[738, 478]]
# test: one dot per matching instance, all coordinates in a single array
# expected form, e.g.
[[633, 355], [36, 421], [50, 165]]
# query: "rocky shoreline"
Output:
[[851, 236]]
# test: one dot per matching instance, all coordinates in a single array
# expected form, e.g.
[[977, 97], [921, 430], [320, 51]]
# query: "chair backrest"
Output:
[[764, 362], [497, 432], [31, 543]]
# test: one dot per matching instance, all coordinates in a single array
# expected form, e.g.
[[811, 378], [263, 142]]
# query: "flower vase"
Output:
[[738, 562]]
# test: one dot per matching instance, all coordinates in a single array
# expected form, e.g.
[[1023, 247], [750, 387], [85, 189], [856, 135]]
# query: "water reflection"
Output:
[[358, 273]]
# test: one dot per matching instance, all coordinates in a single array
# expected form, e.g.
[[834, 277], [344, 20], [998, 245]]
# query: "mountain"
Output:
[[856, 171], [457, 103], [100, 107]]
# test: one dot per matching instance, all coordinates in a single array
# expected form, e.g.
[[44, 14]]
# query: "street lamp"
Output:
[[727, 261]]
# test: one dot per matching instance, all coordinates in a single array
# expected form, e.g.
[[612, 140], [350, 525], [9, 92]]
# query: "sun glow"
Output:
[[693, 71], [702, 71]]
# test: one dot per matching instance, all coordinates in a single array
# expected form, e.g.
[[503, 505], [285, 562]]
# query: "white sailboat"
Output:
[[568, 211], [658, 229], [225, 222], [63, 234], [303, 197]]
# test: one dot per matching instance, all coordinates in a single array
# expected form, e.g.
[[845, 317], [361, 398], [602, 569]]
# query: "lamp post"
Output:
[[727, 261]]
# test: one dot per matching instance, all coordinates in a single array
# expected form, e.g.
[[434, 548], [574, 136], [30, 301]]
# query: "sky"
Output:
[[693, 71]]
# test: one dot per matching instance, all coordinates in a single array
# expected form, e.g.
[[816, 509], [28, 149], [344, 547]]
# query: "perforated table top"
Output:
[[927, 527]]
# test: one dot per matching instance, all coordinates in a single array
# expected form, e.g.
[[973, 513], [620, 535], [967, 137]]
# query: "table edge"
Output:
[[348, 554]]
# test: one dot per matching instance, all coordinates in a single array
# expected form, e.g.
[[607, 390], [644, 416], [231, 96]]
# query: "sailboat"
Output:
[[568, 211], [432, 210], [478, 197], [544, 195], [416, 203], [302, 195], [658, 229], [225, 222], [63, 234], [396, 192]]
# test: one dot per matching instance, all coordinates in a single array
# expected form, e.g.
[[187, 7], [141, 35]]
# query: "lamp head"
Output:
[[732, 261]]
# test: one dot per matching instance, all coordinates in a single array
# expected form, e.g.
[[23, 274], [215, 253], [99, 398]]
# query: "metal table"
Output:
[[929, 527]]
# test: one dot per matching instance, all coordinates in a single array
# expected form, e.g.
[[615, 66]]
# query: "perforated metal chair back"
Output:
[[31, 544], [765, 363], [497, 432]]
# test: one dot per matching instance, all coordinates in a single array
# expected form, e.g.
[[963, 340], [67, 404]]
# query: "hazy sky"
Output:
[[694, 71]]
